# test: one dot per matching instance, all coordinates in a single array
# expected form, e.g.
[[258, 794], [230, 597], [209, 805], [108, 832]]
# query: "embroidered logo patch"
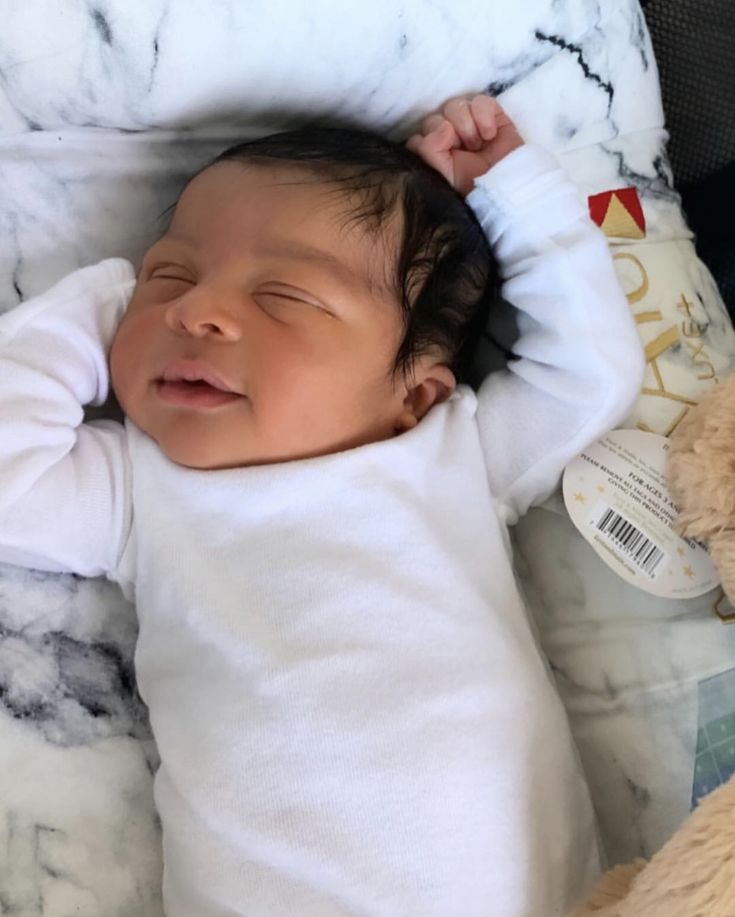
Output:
[[618, 213]]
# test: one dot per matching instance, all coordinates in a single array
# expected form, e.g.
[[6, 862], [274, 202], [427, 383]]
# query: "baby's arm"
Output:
[[580, 363], [64, 484]]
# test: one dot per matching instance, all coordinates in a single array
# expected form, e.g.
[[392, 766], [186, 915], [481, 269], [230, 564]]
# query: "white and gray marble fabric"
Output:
[[105, 108], [636, 675]]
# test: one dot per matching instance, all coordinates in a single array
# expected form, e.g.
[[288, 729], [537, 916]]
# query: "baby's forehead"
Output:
[[294, 207], [341, 198]]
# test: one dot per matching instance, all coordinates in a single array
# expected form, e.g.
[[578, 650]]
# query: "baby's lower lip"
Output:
[[195, 396]]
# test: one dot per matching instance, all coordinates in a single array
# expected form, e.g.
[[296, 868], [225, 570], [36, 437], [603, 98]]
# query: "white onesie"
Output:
[[352, 714]]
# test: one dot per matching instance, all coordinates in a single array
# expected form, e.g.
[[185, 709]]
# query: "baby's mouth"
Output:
[[196, 382], [189, 370], [195, 394]]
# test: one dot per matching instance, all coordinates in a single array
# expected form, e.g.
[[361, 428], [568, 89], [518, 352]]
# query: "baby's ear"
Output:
[[431, 385]]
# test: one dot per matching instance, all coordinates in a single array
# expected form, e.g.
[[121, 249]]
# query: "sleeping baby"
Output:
[[309, 507]]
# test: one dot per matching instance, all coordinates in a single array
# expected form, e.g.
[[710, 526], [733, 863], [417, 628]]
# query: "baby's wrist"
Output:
[[503, 147]]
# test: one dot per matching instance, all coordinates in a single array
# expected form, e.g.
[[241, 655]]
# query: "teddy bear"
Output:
[[701, 477], [693, 875]]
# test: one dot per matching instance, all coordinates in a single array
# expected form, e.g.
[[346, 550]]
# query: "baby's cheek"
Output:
[[124, 358]]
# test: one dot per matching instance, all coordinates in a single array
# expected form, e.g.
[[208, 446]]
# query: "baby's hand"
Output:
[[465, 139]]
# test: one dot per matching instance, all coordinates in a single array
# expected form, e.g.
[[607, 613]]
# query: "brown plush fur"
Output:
[[702, 478], [692, 876]]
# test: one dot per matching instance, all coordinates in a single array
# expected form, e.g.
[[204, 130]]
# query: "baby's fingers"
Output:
[[435, 148], [459, 114], [485, 110], [432, 122]]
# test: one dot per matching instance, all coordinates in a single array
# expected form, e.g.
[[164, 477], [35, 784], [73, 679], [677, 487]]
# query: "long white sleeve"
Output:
[[580, 363], [64, 484]]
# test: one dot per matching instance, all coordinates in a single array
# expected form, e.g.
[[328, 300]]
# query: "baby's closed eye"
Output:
[[289, 297], [272, 295], [169, 272]]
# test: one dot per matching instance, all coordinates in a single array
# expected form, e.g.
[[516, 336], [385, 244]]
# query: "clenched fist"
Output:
[[465, 139]]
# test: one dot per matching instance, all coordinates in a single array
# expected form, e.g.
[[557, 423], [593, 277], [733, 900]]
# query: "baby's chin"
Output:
[[208, 442], [205, 452], [200, 453]]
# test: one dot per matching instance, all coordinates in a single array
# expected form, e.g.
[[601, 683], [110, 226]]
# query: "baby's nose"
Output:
[[200, 314]]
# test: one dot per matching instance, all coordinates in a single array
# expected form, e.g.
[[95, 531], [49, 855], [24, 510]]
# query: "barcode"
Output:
[[642, 550]]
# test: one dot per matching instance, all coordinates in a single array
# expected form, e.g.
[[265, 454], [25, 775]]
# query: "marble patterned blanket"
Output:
[[105, 109]]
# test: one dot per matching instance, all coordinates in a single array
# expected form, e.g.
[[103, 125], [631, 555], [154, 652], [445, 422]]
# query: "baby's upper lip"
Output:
[[193, 370]]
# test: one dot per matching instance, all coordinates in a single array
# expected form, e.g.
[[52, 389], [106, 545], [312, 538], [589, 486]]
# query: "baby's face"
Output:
[[258, 279]]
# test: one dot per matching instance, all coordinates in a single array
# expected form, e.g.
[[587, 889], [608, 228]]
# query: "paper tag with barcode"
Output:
[[617, 497]]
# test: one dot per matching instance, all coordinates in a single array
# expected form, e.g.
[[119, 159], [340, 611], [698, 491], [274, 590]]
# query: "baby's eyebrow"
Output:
[[300, 251], [350, 277]]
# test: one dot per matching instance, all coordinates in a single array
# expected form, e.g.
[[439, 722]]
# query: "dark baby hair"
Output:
[[445, 277]]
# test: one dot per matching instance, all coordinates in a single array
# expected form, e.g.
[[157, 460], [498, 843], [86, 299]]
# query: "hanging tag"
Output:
[[617, 497]]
